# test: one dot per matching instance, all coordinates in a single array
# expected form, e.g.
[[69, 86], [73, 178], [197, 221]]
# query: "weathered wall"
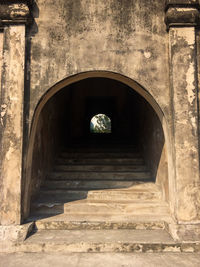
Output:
[[11, 123], [123, 36], [185, 106]]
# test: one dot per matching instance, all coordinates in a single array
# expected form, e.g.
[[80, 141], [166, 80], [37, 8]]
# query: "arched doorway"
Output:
[[61, 123]]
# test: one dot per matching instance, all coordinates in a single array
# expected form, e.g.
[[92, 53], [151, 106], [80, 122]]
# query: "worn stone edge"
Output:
[[182, 4], [184, 17], [184, 232], [13, 233], [15, 12], [100, 247]]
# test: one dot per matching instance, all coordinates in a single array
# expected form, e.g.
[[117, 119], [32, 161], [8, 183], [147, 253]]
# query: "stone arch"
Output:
[[66, 82]]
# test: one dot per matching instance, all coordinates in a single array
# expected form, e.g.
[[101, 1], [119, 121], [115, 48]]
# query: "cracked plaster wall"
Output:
[[127, 37]]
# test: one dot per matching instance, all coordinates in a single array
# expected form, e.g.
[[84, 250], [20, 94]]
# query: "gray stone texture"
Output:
[[100, 260]]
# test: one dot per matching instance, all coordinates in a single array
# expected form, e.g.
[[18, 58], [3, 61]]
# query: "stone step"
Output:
[[100, 221], [100, 155], [116, 207], [123, 195], [63, 196], [87, 184], [100, 175], [44, 209], [125, 240], [103, 168], [101, 149], [144, 191], [77, 224], [103, 161], [102, 207]]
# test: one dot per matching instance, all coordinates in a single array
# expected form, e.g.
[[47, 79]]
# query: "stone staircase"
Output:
[[96, 194], [100, 181]]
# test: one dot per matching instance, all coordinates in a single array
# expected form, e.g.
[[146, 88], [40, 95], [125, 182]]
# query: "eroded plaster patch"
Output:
[[182, 9], [193, 121], [3, 112], [10, 151], [190, 83], [188, 145], [147, 54], [14, 98], [188, 34]]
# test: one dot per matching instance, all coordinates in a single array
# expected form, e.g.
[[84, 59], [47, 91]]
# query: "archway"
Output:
[[62, 116]]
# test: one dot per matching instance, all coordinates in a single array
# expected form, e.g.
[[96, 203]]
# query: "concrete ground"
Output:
[[100, 260]]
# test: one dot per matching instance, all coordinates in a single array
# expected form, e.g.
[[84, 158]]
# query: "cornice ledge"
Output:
[[15, 12], [183, 13], [182, 3]]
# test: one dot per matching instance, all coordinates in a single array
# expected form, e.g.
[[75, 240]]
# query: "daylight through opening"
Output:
[[100, 124]]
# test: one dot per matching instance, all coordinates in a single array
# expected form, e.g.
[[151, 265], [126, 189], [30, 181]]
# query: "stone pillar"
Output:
[[14, 16], [1, 56], [182, 16]]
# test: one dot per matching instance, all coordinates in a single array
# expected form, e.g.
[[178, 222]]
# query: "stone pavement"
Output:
[[100, 260]]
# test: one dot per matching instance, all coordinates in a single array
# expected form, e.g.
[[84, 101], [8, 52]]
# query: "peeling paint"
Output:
[[190, 83], [14, 98], [12, 131], [147, 54], [182, 45], [10, 151], [3, 113], [105, 36], [187, 34]]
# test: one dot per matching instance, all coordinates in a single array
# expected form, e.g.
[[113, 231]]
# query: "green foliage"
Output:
[[100, 124]]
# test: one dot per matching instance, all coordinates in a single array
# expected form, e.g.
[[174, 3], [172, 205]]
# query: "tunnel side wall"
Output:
[[48, 137], [152, 143]]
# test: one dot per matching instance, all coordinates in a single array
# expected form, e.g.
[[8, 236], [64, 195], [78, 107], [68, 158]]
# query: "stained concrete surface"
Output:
[[145, 236], [98, 260]]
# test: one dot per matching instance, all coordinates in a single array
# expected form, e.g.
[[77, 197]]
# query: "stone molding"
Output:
[[15, 12], [183, 13], [181, 3]]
